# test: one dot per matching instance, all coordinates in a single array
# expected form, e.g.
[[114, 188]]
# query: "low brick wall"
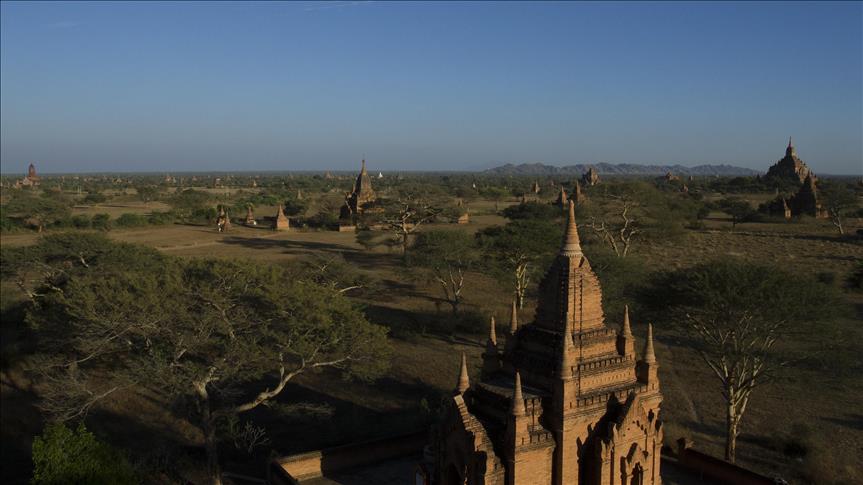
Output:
[[292, 470], [709, 467]]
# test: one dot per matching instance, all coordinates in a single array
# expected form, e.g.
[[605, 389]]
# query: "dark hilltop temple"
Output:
[[790, 167], [806, 200]]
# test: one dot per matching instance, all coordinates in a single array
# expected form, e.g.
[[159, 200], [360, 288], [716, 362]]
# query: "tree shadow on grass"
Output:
[[853, 421], [20, 422], [343, 421], [289, 246], [807, 237]]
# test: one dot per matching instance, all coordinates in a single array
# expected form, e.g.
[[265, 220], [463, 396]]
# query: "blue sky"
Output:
[[422, 86]]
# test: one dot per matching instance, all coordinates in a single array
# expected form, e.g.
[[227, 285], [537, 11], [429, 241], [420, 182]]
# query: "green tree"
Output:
[[95, 198], [62, 456], [188, 201], [294, 207], [736, 312], [129, 219], [405, 216], [521, 248], [448, 255], [623, 214], [38, 212], [217, 338], [496, 194], [532, 211], [148, 193], [739, 210], [101, 222]]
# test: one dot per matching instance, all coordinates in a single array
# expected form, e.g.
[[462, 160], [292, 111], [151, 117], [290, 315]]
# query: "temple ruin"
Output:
[[591, 177], [281, 222]]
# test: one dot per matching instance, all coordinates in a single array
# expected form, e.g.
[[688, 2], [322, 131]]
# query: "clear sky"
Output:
[[111, 86]]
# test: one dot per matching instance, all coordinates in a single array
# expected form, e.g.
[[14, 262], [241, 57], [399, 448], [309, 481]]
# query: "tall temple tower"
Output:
[[565, 401], [361, 195]]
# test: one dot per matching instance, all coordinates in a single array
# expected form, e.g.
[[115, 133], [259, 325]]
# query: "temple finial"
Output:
[[790, 143], [571, 243], [363, 168], [463, 379], [513, 316], [649, 355], [626, 331], [518, 408]]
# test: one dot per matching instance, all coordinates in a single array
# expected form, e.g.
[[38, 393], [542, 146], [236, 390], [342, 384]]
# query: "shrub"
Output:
[[69, 457], [161, 218], [81, 222], [101, 222], [323, 220], [131, 220], [533, 211], [95, 198]]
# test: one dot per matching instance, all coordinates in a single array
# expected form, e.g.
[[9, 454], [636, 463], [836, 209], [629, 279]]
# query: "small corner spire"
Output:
[[571, 243], [649, 355], [626, 331], [513, 316], [518, 408], [463, 379], [492, 334]]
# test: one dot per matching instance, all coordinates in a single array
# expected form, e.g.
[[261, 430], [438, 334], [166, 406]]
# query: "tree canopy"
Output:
[[217, 338]]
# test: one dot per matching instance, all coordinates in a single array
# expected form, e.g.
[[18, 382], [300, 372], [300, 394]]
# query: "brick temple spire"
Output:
[[491, 356], [626, 331], [790, 151], [518, 408], [463, 379], [649, 355], [513, 316], [571, 244], [625, 339], [492, 335]]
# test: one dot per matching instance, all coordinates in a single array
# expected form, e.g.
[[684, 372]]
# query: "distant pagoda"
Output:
[[591, 177], [281, 223]]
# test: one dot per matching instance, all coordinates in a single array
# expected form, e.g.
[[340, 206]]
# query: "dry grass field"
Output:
[[822, 392]]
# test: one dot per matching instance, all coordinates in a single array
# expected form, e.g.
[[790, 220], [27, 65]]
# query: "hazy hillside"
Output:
[[620, 169]]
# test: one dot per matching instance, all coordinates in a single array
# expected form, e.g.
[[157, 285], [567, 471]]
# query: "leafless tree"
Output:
[[736, 312], [405, 216], [619, 227]]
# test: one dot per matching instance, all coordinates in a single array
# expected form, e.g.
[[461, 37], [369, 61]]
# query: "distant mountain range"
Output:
[[620, 169]]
